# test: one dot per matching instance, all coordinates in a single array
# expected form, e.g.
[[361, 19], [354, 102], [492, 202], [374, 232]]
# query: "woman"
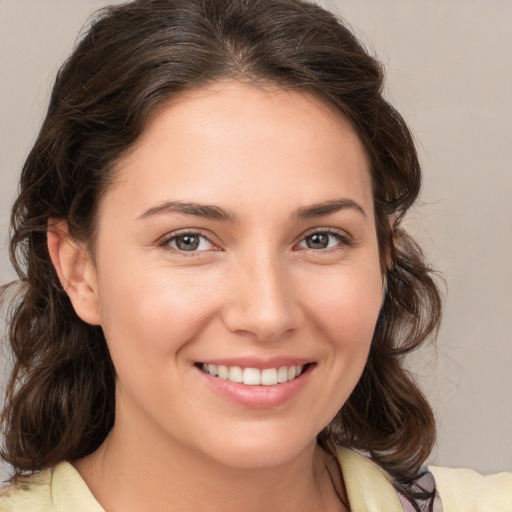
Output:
[[216, 291]]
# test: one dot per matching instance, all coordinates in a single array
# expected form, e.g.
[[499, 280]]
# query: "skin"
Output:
[[253, 289]]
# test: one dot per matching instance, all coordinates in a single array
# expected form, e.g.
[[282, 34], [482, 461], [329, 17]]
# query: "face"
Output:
[[237, 274]]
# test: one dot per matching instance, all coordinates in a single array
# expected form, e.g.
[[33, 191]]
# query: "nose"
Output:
[[263, 304]]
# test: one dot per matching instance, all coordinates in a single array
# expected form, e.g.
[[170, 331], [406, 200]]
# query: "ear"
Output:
[[75, 269]]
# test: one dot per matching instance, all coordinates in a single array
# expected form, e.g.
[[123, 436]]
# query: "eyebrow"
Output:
[[217, 213], [199, 210], [328, 207]]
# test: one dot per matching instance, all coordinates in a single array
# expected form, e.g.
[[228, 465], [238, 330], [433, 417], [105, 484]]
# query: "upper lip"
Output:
[[259, 363]]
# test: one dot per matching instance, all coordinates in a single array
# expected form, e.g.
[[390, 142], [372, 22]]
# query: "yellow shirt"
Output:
[[369, 489]]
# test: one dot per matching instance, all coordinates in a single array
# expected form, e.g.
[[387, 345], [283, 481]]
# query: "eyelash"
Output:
[[343, 238], [166, 241]]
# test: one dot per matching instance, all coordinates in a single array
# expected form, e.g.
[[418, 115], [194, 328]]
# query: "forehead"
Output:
[[232, 140]]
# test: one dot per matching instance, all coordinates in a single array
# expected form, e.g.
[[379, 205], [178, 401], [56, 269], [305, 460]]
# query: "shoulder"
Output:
[[469, 491], [369, 487], [28, 494], [60, 489]]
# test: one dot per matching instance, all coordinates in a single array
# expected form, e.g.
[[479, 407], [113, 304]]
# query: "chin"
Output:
[[260, 451]]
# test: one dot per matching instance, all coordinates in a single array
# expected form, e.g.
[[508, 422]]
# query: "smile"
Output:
[[254, 376]]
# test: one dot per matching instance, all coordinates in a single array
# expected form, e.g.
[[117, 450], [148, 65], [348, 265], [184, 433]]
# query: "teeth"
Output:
[[269, 377], [223, 372], [254, 376], [282, 374], [235, 374]]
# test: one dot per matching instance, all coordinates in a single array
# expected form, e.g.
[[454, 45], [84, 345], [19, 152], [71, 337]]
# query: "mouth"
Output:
[[255, 376]]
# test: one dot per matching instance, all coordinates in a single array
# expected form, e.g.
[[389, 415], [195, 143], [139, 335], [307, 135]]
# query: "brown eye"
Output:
[[322, 240], [189, 242], [317, 241]]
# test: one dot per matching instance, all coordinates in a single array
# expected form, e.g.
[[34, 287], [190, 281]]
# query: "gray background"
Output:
[[449, 72]]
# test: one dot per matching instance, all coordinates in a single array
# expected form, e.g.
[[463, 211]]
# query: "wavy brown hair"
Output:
[[131, 61]]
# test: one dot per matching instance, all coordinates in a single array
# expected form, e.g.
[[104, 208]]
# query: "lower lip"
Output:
[[258, 397]]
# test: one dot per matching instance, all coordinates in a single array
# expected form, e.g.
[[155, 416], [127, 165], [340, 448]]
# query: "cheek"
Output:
[[153, 313], [345, 313], [347, 301], [345, 309]]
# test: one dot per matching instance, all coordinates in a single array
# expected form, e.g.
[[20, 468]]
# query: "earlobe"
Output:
[[76, 271]]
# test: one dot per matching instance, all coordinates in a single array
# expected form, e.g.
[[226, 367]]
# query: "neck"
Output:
[[127, 474]]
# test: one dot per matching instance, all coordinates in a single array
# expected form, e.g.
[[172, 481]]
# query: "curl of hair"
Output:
[[131, 61]]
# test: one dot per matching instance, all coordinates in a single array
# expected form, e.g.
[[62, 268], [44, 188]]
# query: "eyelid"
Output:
[[164, 241], [345, 238]]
